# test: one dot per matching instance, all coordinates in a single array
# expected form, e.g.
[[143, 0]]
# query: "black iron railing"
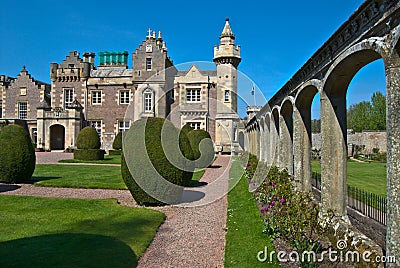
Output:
[[368, 204]]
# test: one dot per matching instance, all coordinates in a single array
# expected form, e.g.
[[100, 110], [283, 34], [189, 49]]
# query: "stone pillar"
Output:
[[267, 135], [333, 155], [41, 131], [274, 143], [285, 144], [393, 162], [302, 149], [261, 142], [257, 139]]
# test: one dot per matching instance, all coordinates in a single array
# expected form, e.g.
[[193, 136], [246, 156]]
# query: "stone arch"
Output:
[[286, 134], [302, 139], [333, 120], [275, 135], [57, 137]]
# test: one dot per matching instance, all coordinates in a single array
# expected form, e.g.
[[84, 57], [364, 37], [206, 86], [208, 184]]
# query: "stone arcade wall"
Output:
[[371, 33]]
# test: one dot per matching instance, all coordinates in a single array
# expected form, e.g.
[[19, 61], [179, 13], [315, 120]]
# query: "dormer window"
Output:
[[71, 65]]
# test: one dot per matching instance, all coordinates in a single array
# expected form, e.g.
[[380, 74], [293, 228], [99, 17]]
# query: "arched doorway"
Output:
[[57, 137]]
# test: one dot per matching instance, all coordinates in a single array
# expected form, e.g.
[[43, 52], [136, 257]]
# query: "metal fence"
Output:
[[368, 204]]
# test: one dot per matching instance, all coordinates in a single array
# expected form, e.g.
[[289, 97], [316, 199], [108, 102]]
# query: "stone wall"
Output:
[[370, 139]]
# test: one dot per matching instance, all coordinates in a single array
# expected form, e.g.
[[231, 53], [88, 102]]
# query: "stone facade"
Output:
[[111, 96], [20, 98]]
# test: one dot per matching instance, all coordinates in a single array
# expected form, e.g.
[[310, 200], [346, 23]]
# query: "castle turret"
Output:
[[227, 59]]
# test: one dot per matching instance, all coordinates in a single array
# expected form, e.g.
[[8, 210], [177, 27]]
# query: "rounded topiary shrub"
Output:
[[153, 163], [89, 154], [88, 144], [187, 151], [117, 144], [186, 129], [88, 139], [202, 146], [17, 155]]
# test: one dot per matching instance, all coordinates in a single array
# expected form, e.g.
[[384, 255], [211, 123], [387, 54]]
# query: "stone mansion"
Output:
[[110, 96]]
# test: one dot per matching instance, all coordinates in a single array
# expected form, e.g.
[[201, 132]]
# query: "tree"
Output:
[[368, 115], [379, 110], [359, 115]]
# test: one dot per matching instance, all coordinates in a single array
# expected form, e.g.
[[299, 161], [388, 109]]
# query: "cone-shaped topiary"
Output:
[[153, 162], [88, 139], [202, 146], [17, 155], [117, 144]]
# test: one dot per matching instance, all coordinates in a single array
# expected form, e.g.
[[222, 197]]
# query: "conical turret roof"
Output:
[[227, 31]]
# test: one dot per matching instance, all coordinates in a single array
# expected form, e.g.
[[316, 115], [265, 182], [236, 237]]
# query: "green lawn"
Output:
[[79, 176], [370, 177], [55, 232], [108, 159], [244, 237]]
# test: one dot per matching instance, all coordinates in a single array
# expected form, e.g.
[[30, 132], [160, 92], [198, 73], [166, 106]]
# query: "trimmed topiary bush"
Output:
[[186, 129], [88, 139], [186, 149], [17, 155], [117, 144], [202, 146], [89, 154], [88, 144], [153, 161]]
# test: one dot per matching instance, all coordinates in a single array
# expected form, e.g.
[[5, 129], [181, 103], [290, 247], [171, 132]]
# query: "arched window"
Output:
[[148, 100]]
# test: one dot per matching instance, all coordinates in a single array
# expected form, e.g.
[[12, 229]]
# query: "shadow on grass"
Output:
[[67, 250], [41, 178], [8, 187]]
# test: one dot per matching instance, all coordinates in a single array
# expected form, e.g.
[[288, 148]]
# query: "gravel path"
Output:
[[52, 157], [193, 234]]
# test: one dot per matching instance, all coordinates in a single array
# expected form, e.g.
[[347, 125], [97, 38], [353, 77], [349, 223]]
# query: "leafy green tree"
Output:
[[379, 111], [359, 116], [368, 115]]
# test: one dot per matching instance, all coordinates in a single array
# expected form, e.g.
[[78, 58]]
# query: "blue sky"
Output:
[[276, 37]]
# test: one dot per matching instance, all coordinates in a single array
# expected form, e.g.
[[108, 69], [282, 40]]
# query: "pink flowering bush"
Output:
[[290, 215]]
